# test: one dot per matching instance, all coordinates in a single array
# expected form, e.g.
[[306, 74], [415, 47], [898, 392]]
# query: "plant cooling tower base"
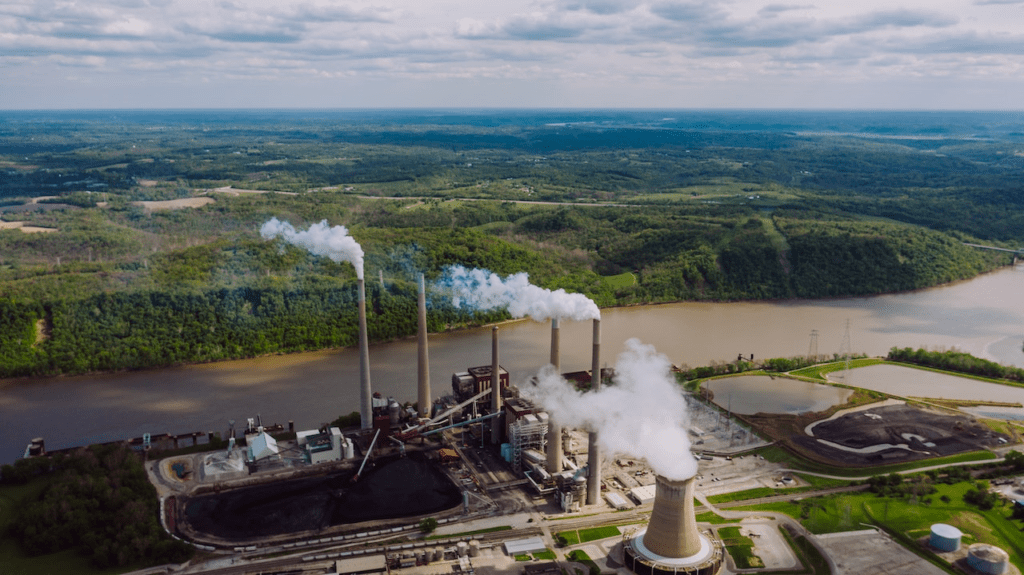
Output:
[[643, 561]]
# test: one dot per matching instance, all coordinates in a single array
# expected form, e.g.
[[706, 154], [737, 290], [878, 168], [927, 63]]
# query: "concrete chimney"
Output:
[[672, 531], [593, 450], [423, 356], [365, 401], [554, 463], [495, 389]]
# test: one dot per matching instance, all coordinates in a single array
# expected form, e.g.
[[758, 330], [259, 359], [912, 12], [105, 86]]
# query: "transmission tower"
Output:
[[844, 350], [812, 350]]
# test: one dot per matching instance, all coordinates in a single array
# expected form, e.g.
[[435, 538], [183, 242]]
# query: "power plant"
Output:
[[672, 543]]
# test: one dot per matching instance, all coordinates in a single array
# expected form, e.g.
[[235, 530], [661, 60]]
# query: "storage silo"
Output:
[[987, 559], [945, 538]]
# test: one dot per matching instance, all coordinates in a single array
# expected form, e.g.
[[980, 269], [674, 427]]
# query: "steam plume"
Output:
[[482, 289], [319, 239], [643, 415]]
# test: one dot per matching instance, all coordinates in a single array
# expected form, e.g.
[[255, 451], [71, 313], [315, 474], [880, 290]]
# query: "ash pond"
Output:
[[403, 487], [750, 394]]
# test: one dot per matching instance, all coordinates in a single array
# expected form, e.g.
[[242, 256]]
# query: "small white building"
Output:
[[329, 445], [262, 446], [643, 494]]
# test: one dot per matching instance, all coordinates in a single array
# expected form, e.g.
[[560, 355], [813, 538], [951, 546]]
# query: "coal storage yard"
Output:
[[404, 487]]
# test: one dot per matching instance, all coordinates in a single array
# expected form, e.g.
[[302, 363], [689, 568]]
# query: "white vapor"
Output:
[[319, 239], [643, 414], [482, 289]]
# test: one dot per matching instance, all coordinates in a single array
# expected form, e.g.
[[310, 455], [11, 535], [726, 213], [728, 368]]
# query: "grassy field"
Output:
[[740, 547], [908, 518], [621, 281], [575, 537]]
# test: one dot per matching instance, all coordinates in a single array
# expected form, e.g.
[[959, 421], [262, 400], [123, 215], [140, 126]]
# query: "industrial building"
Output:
[[322, 445]]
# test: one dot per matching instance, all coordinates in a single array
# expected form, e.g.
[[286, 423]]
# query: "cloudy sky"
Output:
[[905, 54]]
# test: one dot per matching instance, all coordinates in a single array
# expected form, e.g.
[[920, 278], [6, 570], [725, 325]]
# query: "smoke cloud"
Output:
[[484, 290], [643, 415], [320, 239]]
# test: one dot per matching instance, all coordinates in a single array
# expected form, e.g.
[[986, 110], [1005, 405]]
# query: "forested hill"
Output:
[[130, 240], [240, 296]]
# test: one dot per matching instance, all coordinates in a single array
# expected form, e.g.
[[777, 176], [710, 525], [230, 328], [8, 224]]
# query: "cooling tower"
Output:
[[423, 357], [671, 542], [593, 450], [365, 405], [554, 430], [496, 426]]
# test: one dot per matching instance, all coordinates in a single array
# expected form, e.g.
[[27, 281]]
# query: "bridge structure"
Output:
[[1017, 253]]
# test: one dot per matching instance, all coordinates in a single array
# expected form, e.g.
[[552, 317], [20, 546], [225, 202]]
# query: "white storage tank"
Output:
[[945, 538], [987, 559], [463, 548], [474, 548]]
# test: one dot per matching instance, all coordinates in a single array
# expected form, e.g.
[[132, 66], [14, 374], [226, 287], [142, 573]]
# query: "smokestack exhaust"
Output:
[[593, 449], [423, 356], [495, 389], [554, 439], [365, 401]]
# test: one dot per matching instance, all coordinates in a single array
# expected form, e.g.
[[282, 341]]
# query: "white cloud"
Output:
[[535, 52]]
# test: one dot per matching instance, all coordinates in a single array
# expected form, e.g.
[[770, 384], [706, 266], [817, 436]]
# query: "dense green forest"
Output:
[[625, 215], [97, 501]]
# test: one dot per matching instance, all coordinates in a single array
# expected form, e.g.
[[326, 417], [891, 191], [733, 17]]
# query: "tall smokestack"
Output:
[[593, 450], [495, 388], [365, 402], [554, 430], [422, 356]]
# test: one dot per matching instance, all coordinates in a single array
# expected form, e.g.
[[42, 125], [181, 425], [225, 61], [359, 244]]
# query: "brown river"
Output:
[[983, 316]]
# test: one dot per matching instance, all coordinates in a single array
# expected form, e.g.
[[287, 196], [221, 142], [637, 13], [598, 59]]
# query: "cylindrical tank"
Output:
[[438, 553], [424, 557], [945, 538], [350, 448], [395, 412], [987, 559], [463, 548], [474, 548]]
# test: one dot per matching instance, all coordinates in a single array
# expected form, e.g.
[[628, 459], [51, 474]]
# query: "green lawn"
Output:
[[546, 555], [595, 533], [740, 547], [580, 556], [851, 511], [623, 280]]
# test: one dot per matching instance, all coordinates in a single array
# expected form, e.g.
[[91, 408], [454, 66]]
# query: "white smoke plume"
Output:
[[644, 414], [320, 239], [483, 290]]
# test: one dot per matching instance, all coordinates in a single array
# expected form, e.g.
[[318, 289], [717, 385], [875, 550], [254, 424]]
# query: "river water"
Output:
[[983, 316]]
